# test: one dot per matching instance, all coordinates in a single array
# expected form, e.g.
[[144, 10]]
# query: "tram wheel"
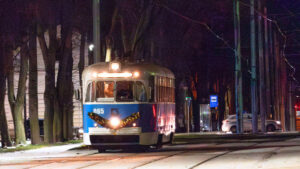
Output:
[[159, 142], [101, 150], [171, 138], [144, 148]]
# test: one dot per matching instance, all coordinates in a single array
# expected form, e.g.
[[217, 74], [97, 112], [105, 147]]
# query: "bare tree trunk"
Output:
[[65, 87], [283, 88], [82, 63], [82, 52], [33, 89], [64, 78], [262, 87], [141, 30], [267, 68], [49, 95], [17, 103], [5, 138]]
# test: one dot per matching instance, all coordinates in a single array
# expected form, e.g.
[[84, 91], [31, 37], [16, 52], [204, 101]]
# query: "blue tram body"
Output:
[[112, 120]]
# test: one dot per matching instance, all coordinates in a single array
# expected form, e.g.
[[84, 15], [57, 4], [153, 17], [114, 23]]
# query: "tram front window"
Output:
[[104, 91], [124, 91]]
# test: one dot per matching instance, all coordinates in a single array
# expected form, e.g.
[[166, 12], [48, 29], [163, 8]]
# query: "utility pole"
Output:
[[238, 72], [267, 56], [253, 69], [272, 71], [261, 72], [277, 79], [96, 31]]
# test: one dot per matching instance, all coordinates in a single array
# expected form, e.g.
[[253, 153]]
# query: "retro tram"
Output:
[[127, 104]]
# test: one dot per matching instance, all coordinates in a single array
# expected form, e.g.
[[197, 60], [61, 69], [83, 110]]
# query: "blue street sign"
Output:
[[213, 101]]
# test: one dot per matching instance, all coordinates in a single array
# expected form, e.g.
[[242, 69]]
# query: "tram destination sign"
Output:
[[213, 101]]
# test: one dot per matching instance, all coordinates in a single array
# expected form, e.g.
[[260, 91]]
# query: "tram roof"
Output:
[[152, 69]]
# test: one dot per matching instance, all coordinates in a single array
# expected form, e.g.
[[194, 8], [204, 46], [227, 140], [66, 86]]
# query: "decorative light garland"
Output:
[[105, 123]]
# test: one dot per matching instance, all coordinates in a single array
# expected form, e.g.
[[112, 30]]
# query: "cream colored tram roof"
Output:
[[129, 67]]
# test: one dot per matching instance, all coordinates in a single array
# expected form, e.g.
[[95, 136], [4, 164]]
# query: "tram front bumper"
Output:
[[123, 136]]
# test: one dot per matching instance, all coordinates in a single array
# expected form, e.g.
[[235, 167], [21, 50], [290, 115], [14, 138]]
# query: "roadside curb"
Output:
[[205, 136]]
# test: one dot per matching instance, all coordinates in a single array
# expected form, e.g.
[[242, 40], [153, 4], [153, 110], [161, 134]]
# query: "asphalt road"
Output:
[[240, 154]]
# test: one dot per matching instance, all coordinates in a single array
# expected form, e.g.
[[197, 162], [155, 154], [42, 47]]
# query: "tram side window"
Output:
[[173, 90], [165, 89], [158, 89], [141, 94], [90, 92], [104, 90], [152, 88], [124, 91]]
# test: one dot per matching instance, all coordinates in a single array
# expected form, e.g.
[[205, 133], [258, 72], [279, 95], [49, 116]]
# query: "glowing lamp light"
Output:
[[134, 124], [136, 74], [91, 47], [114, 122], [95, 124], [94, 74], [115, 66]]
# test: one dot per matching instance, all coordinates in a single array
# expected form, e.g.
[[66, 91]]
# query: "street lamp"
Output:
[[91, 47]]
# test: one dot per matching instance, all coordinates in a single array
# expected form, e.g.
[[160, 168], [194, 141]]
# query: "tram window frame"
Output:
[[152, 90], [138, 94], [132, 92], [104, 97], [90, 92]]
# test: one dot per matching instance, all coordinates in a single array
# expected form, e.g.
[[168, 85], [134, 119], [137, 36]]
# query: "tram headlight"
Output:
[[114, 122], [95, 74], [136, 74]]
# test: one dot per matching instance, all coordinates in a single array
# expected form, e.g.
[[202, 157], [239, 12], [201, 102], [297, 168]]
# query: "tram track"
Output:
[[114, 159], [155, 160], [198, 164], [55, 160], [267, 156], [198, 155]]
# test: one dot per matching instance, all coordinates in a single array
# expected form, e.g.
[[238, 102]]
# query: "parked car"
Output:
[[229, 124]]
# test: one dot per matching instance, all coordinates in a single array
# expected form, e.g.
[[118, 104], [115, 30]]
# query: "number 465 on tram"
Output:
[[128, 104]]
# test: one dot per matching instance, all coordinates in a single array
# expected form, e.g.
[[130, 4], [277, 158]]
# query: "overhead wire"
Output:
[[226, 42], [197, 22], [279, 30]]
